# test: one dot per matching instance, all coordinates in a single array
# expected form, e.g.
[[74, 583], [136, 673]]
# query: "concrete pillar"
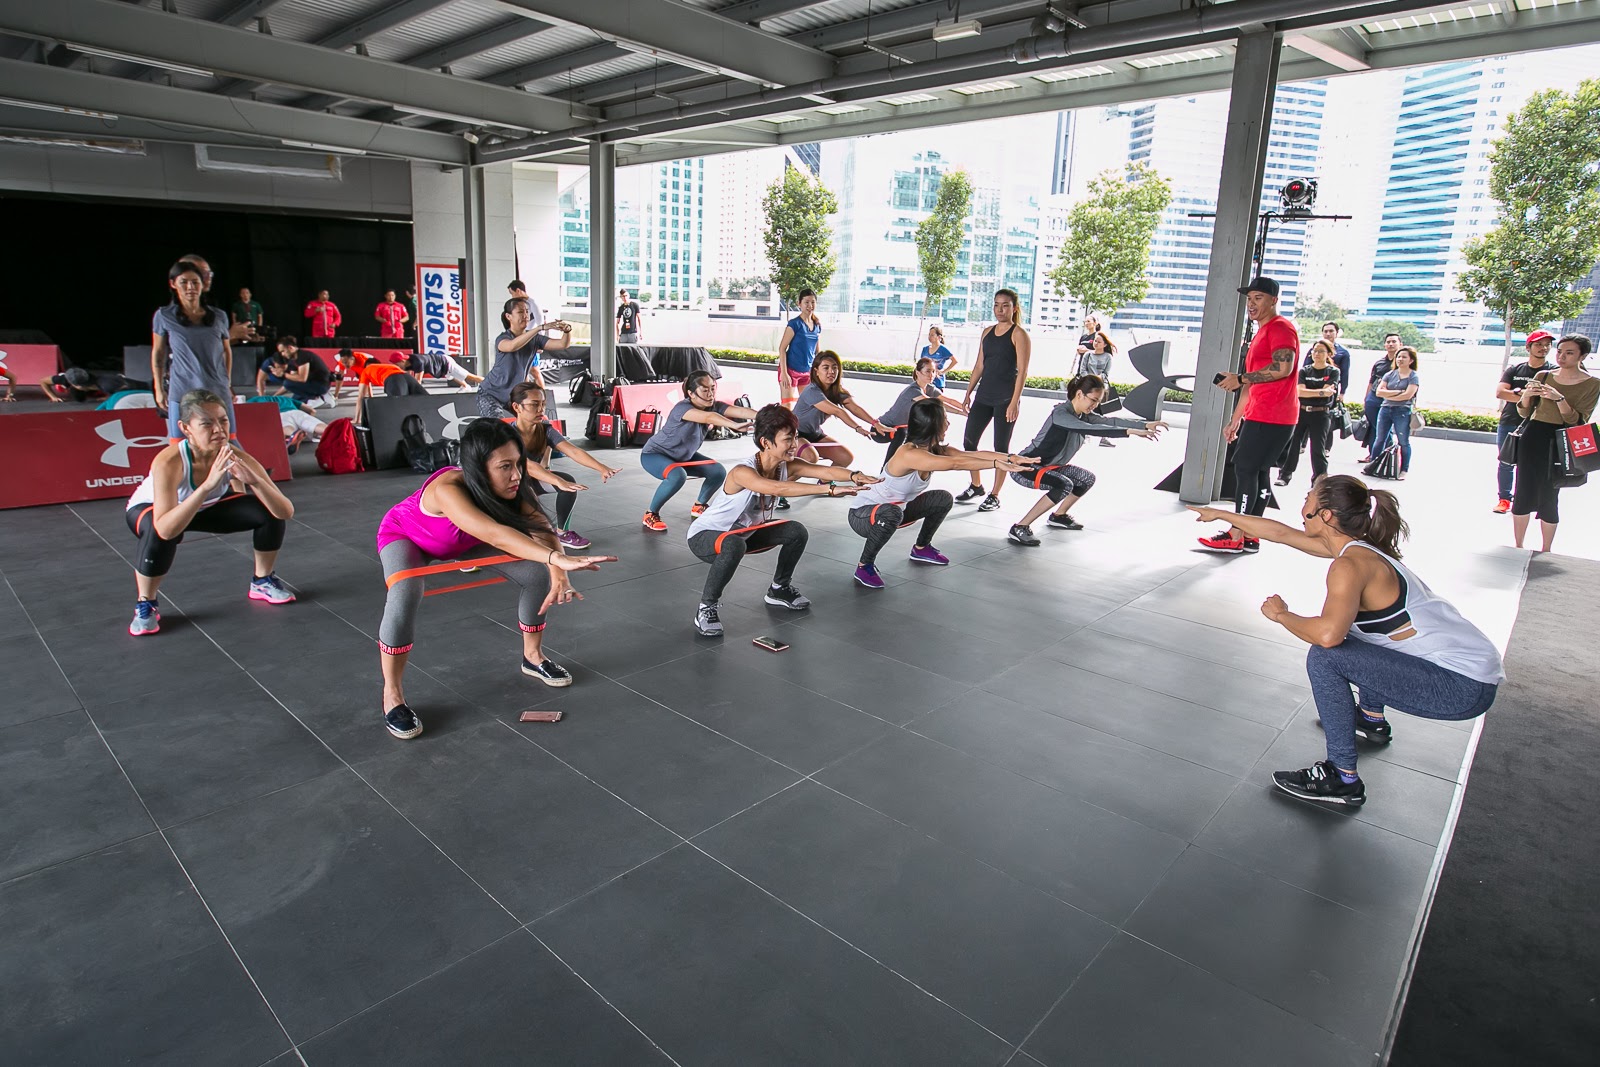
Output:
[[1244, 161], [436, 233], [536, 218], [602, 257], [499, 251], [473, 238]]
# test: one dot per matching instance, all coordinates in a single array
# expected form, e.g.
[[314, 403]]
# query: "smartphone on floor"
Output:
[[771, 644], [540, 716]]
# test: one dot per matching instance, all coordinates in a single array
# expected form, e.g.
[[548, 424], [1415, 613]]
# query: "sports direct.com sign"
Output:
[[441, 309]]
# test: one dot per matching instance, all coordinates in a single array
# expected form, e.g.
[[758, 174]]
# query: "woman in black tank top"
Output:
[[994, 392]]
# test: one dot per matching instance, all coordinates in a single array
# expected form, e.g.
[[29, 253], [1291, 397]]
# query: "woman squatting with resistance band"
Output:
[[827, 397], [208, 484], [1057, 441], [673, 452], [485, 501], [904, 495], [922, 385], [739, 519], [539, 439]]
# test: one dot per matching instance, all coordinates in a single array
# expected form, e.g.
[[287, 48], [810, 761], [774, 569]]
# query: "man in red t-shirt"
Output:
[[392, 316], [324, 316], [1269, 407]]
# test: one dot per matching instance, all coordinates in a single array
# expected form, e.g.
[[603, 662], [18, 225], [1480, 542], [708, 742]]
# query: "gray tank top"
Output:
[[732, 511]]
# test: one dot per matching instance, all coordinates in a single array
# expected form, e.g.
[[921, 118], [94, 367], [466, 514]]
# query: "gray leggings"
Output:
[[1060, 482], [788, 537], [399, 625], [878, 522]]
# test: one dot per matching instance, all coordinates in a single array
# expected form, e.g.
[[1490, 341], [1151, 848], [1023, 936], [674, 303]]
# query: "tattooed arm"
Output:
[[1282, 366]]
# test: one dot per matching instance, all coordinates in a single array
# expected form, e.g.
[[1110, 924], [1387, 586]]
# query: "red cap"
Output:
[[1540, 335]]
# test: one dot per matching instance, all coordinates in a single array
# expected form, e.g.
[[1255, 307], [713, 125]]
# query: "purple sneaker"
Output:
[[929, 554], [867, 575], [572, 539]]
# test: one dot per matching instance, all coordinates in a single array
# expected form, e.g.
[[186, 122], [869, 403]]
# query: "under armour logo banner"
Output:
[[117, 454]]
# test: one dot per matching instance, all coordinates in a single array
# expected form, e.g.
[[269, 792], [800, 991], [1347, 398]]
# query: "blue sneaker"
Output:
[[146, 619], [270, 589]]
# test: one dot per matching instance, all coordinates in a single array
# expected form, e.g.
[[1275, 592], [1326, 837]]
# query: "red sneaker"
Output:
[[1226, 542], [1502, 507], [697, 508], [652, 521]]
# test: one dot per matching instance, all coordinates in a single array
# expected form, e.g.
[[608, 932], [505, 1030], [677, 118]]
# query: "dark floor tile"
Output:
[[1331, 966], [999, 623], [1251, 655], [617, 643], [717, 972], [667, 766], [64, 795], [531, 831], [481, 658], [1062, 613], [1162, 791], [95, 593], [1184, 1016], [123, 666], [924, 642], [264, 638], [1325, 852], [1199, 606], [35, 686], [1210, 683], [1084, 855], [333, 900], [137, 972], [1428, 746], [197, 750], [991, 947], [510, 1003], [785, 723]]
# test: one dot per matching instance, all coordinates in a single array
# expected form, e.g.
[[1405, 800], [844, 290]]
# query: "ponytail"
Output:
[[1084, 383], [1373, 515]]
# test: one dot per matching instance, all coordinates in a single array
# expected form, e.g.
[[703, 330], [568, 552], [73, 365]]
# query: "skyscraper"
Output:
[[660, 222]]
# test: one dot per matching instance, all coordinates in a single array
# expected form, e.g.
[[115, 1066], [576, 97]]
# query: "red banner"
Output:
[[31, 363], [57, 458]]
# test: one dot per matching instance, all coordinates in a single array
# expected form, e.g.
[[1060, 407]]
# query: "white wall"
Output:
[[536, 218]]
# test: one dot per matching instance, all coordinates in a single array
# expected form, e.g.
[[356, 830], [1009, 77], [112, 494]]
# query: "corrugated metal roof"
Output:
[[613, 68], [812, 18], [548, 44], [310, 20], [448, 22]]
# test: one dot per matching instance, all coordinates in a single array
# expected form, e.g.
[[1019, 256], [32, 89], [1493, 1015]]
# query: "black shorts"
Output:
[[814, 436]]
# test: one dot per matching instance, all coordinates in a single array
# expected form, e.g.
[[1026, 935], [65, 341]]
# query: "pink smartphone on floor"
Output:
[[540, 716], [771, 644]]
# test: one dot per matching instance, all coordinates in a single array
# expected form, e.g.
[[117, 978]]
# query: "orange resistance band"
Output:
[[744, 530], [1038, 475], [872, 516], [445, 568], [686, 463]]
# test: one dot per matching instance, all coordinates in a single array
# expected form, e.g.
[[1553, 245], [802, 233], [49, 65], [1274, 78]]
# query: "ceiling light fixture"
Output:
[[315, 147], [954, 31], [58, 108], [128, 57]]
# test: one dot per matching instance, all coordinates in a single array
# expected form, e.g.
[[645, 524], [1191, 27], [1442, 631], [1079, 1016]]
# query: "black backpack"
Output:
[[421, 452]]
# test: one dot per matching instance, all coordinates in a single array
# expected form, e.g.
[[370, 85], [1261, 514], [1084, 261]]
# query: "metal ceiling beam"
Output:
[[248, 11], [544, 68], [908, 20], [201, 110], [724, 135], [755, 11], [513, 29], [664, 78], [156, 35], [381, 21], [719, 43], [1334, 47]]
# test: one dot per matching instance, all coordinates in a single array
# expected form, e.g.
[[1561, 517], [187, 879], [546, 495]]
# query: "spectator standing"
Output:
[[1553, 401], [994, 390], [247, 311], [797, 349], [1398, 393], [943, 359], [1091, 326], [1267, 412], [1512, 383], [1319, 387], [324, 316], [515, 290], [628, 319], [189, 346], [1372, 402], [392, 316], [411, 310], [236, 331], [1097, 361], [1341, 354]]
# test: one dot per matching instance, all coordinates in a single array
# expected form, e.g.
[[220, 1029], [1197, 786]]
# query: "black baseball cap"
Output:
[[1261, 284]]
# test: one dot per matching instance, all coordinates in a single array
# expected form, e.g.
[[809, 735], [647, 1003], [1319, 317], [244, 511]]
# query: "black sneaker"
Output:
[[969, 494], [786, 596], [1252, 544], [1021, 535], [782, 504], [402, 722], [1064, 522], [1374, 733], [1321, 782], [706, 621], [547, 671], [1282, 479], [990, 503]]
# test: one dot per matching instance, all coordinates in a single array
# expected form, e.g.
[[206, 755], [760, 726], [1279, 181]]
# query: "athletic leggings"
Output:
[[1312, 430], [657, 462], [789, 538], [397, 630], [1385, 677], [878, 522], [1257, 451], [232, 514], [978, 417], [565, 498], [1060, 483]]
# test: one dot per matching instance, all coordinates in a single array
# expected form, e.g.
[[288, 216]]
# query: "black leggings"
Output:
[[1312, 430], [789, 538], [978, 416], [1256, 452], [878, 522], [565, 498], [231, 514]]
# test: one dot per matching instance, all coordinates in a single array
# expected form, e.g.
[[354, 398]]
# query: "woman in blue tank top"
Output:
[[1380, 630], [797, 348]]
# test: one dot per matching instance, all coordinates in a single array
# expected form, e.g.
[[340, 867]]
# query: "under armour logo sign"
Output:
[[117, 454], [1581, 439], [453, 422]]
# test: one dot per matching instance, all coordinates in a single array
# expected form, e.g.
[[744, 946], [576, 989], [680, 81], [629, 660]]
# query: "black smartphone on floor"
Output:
[[771, 644]]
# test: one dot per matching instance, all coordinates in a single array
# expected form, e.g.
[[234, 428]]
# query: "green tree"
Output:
[[940, 235], [1316, 310], [1544, 174], [1369, 333], [798, 239], [1107, 249], [714, 288]]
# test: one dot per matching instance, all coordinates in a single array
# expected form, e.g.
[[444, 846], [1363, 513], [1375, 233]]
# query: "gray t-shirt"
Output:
[[899, 412], [510, 367], [197, 352], [805, 409], [1392, 380], [678, 438]]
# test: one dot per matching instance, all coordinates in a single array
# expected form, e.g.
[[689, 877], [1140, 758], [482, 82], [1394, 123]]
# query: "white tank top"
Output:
[[146, 493], [1442, 636], [894, 489], [732, 511]]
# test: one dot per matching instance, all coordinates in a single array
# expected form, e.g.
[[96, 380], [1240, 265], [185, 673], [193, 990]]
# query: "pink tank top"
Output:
[[435, 535]]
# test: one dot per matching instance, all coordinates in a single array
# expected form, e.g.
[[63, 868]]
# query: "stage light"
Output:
[[1298, 196]]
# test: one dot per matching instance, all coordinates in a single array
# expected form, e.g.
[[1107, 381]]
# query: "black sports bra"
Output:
[[1387, 620]]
